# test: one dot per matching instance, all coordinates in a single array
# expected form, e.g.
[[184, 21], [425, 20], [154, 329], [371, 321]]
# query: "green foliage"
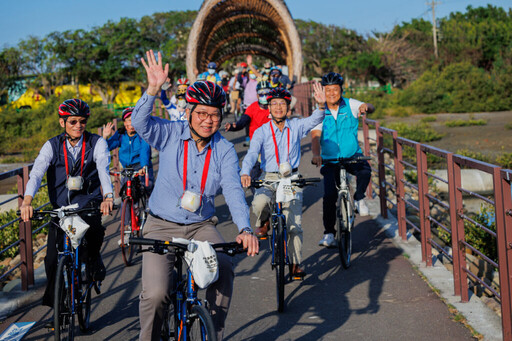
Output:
[[10, 234], [478, 237], [25, 131], [508, 126], [420, 132], [428, 119], [465, 123], [474, 155], [505, 160]]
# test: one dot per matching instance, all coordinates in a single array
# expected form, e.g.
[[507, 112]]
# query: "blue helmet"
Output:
[[212, 65]]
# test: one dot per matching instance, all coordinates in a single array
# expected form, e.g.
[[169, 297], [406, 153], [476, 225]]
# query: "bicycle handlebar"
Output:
[[65, 211], [230, 249], [301, 182], [346, 159]]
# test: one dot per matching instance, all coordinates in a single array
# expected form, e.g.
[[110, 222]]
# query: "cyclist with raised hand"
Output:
[[336, 136], [198, 161], [211, 75], [256, 114], [134, 152], [176, 106], [73, 157], [278, 142]]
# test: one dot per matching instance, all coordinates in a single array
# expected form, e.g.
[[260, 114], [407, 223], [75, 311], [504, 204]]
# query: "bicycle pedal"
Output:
[[265, 237], [297, 278]]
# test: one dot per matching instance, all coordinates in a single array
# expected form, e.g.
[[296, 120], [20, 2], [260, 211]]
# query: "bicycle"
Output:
[[74, 280], [279, 237], [186, 317], [345, 211], [133, 211]]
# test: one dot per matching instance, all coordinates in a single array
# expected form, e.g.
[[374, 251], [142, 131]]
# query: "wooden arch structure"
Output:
[[224, 29]]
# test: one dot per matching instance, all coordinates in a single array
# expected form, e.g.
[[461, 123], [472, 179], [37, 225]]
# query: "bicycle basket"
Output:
[[203, 264], [75, 227]]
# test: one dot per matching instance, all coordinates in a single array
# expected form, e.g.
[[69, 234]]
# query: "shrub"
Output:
[[474, 155], [505, 160], [463, 123], [508, 126], [420, 132], [428, 119]]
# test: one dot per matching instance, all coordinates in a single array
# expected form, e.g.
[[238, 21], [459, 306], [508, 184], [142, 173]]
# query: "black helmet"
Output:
[[332, 78], [74, 107], [263, 87], [279, 93], [206, 93]]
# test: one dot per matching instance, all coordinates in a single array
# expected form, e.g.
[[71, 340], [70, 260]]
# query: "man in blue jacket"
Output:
[[134, 152], [337, 137]]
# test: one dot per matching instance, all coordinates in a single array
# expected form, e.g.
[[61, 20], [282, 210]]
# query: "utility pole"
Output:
[[434, 25]]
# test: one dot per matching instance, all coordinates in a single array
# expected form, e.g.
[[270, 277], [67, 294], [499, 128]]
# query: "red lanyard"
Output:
[[275, 143], [66, 156], [205, 168]]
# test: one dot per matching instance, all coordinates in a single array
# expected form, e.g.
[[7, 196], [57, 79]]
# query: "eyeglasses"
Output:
[[278, 104], [73, 122], [204, 115]]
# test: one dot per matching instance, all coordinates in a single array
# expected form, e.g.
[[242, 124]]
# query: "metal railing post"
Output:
[[426, 233], [366, 140], [25, 234], [382, 172], [503, 213], [400, 188], [458, 233]]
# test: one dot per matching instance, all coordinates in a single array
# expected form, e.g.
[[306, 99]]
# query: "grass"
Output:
[[465, 123]]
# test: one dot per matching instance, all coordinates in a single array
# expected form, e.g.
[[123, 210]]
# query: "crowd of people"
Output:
[[199, 162]]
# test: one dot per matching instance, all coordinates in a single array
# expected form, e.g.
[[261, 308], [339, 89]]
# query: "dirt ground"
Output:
[[491, 139]]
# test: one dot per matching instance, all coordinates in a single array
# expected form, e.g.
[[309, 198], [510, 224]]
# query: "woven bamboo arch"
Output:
[[227, 28]]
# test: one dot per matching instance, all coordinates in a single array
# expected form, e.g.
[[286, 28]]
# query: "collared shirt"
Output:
[[168, 138], [101, 158], [263, 142]]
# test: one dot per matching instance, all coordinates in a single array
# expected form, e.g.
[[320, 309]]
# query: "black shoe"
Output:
[[99, 271], [49, 324]]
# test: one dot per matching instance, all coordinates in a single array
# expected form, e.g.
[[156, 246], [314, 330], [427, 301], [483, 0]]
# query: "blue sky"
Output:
[[21, 18]]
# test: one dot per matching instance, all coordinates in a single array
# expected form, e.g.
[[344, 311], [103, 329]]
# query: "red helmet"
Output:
[[279, 93], [74, 107], [243, 64], [127, 113], [206, 93], [183, 81]]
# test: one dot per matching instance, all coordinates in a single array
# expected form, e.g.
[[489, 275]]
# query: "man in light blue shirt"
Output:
[[278, 142], [195, 162]]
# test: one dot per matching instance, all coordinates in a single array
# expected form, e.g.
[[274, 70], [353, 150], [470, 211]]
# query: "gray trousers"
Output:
[[157, 274]]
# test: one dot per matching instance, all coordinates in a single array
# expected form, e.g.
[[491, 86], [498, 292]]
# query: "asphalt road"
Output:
[[381, 297]]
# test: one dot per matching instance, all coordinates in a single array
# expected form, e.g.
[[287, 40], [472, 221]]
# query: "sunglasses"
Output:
[[73, 122]]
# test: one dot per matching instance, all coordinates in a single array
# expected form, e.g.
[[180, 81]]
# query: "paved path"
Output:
[[381, 297]]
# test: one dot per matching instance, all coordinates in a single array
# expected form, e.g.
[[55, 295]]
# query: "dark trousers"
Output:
[[331, 173], [93, 240]]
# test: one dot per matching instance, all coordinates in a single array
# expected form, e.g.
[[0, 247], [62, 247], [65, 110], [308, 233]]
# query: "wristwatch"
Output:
[[246, 229], [109, 196]]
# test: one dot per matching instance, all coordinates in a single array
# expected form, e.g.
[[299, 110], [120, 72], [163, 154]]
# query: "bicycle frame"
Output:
[[344, 193], [277, 214]]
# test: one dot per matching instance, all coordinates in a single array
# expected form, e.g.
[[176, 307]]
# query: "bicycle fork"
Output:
[[275, 217]]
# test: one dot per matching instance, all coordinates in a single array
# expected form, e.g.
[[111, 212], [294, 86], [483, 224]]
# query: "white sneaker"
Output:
[[362, 209], [328, 240]]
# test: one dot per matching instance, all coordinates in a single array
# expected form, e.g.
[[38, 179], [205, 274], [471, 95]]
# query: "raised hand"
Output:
[[155, 72], [319, 94], [107, 129]]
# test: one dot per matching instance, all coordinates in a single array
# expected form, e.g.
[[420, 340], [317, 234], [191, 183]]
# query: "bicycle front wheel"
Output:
[[344, 231], [127, 250], [280, 260], [84, 303], [63, 315], [200, 326]]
